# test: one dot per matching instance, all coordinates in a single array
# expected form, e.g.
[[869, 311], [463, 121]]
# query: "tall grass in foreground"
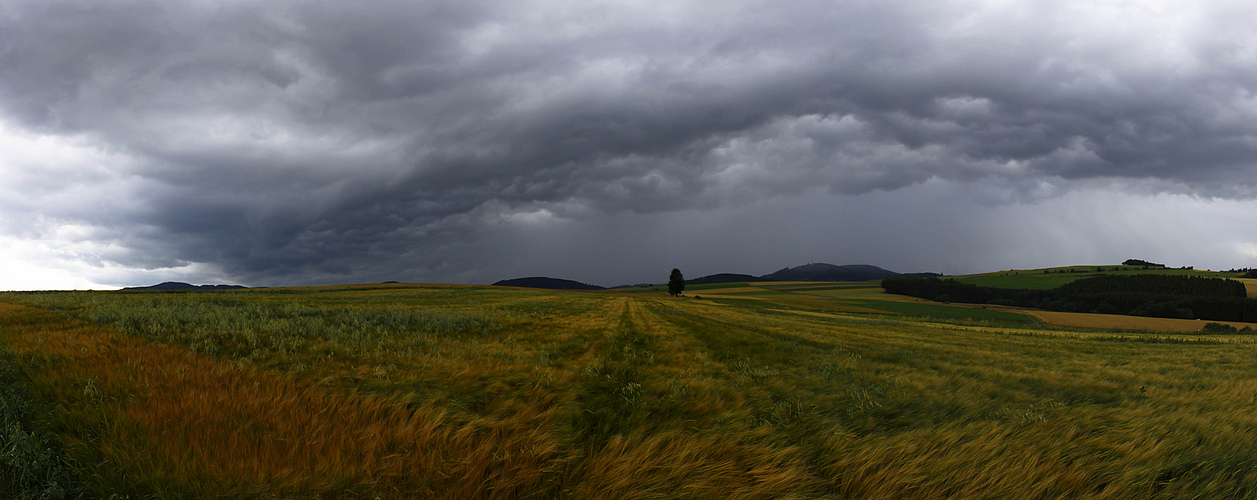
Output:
[[353, 394], [158, 418], [31, 462], [169, 420]]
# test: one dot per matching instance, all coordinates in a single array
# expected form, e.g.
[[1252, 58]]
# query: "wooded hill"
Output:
[[1161, 296]]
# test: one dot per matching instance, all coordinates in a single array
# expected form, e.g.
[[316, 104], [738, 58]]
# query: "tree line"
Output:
[[1245, 272], [1140, 262], [1189, 297]]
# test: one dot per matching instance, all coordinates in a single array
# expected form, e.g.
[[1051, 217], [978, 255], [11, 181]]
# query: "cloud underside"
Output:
[[288, 142]]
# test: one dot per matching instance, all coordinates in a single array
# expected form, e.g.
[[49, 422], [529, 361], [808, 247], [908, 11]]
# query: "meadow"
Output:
[[1042, 279], [779, 390]]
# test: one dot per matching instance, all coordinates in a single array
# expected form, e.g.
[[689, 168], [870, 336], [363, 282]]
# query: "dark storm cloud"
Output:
[[293, 141]]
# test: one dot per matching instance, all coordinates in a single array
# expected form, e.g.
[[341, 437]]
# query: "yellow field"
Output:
[[1250, 284], [406, 391]]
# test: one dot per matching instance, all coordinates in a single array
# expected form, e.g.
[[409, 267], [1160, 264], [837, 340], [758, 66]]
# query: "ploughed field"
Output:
[[777, 390]]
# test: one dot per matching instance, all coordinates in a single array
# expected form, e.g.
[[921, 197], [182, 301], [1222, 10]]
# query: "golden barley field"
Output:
[[773, 391]]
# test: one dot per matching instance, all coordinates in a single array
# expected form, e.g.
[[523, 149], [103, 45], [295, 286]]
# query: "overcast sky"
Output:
[[290, 143]]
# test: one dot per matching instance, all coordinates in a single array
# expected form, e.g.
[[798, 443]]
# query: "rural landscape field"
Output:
[[735, 390], [690, 249]]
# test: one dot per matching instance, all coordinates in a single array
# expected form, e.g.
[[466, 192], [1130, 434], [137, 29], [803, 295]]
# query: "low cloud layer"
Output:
[[294, 143]]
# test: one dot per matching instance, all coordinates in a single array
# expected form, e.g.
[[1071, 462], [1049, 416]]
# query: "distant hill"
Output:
[[830, 272], [548, 284], [809, 272], [178, 285], [725, 278]]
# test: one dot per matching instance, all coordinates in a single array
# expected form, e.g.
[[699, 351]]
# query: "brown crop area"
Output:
[[1114, 321]]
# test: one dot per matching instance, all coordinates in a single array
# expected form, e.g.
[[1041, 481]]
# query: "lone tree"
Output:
[[676, 283]]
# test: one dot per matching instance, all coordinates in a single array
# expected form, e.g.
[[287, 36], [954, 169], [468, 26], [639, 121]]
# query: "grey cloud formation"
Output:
[[306, 142]]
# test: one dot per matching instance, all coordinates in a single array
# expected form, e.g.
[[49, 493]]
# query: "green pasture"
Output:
[[1042, 279]]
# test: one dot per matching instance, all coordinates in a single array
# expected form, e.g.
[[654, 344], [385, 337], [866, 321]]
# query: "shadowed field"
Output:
[[785, 390]]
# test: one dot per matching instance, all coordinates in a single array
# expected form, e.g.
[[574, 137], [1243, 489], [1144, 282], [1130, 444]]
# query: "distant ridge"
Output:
[[830, 272], [179, 285], [807, 272], [548, 284], [725, 278]]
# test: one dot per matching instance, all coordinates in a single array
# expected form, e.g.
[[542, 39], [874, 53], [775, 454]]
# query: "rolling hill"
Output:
[[807, 272], [548, 284], [830, 272], [179, 285], [725, 278]]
